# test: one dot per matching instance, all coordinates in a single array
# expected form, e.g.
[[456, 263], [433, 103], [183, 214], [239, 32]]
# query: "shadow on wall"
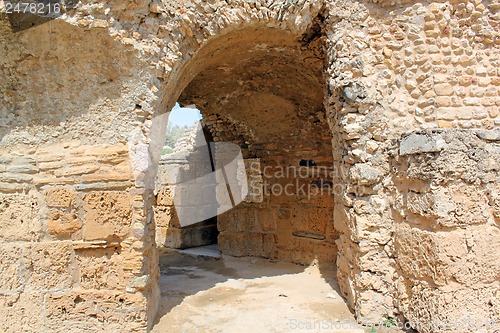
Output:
[[76, 77]]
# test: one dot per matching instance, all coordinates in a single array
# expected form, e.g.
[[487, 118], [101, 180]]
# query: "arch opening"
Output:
[[263, 90], [185, 161]]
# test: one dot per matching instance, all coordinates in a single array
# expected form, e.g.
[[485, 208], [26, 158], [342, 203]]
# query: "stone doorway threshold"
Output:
[[203, 291], [210, 251]]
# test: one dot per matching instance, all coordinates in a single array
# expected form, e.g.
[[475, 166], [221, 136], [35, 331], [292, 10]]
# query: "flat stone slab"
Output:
[[421, 142], [211, 251]]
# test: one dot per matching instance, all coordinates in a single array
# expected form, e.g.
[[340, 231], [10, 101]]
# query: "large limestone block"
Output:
[[95, 311], [12, 275], [50, 265], [19, 219], [22, 312], [467, 256], [449, 309], [107, 214], [454, 205], [100, 268]]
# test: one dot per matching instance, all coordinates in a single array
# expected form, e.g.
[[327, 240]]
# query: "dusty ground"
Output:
[[201, 294]]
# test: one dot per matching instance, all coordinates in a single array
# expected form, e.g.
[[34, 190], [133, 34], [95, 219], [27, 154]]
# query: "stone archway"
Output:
[[358, 131], [79, 153], [263, 89]]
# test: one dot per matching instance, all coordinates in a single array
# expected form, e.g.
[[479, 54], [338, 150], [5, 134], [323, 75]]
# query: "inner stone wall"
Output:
[[190, 161]]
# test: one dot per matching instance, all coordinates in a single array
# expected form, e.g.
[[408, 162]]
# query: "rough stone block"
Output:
[[100, 268], [164, 197], [50, 265], [60, 197], [465, 256], [364, 174], [164, 217], [106, 177], [77, 170], [443, 89], [452, 309], [255, 244], [373, 307], [452, 206], [493, 135], [417, 143], [22, 312], [12, 274], [63, 225], [14, 187], [233, 244], [96, 311], [19, 220], [106, 215], [232, 221], [173, 238], [266, 218], [318, 219]]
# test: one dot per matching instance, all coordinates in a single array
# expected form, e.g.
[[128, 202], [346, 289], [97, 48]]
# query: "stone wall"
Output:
[[75, 229], [288, 210], [291, 218], [446, 235], [103, 76]]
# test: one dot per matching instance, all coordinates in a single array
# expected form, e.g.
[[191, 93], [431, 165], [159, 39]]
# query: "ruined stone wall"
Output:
[[190, 161], [102, 75], [75, 251], [394, 68], [287, 213], [290, 216], [446, 234]]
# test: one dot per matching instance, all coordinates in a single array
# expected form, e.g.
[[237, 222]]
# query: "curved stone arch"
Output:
[[183, 58]]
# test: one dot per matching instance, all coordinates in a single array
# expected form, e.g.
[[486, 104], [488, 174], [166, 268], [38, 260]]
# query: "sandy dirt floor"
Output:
[[202, 294]]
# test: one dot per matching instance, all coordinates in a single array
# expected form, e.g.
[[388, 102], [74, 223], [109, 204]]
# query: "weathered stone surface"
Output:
[[417, 143], [364, 174], [447, 240], [489, 135], [351, 76], [29, 304], [473, 310], [19, 219], [105, 311], [466, 257], [60, 197], [50, 265], [100, 269], [106, 215], [12, 275], [462, 205], [63, 225]]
